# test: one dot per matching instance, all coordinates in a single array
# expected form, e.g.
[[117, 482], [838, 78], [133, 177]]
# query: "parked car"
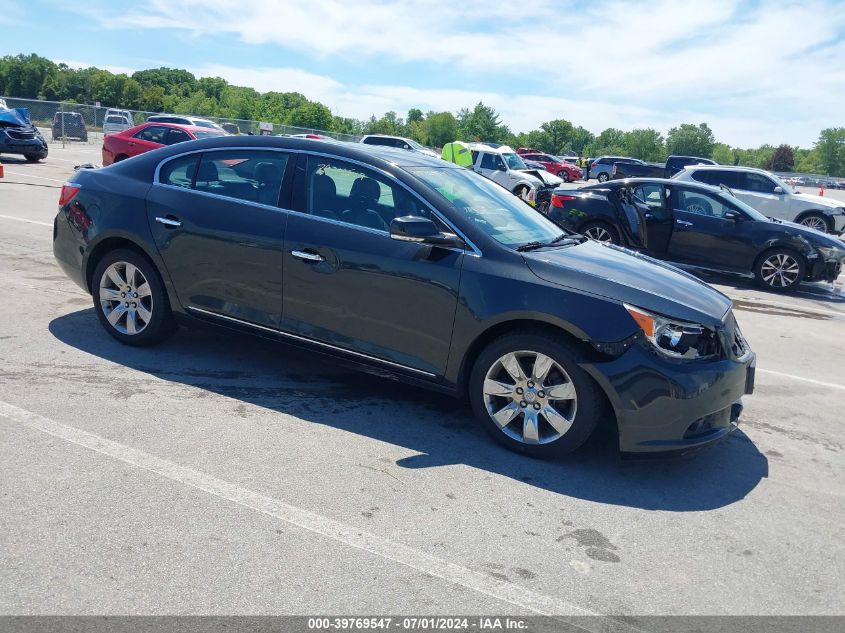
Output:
[[398, 141], [601, 167], [771, 196], [230, 128], [183, 120], [701, 226], [114, 123], [561, 168], [3, 105], [19, 136], [124, 113], [505, 167], [147, 136], [413, 268], [69, 125], [319, 137], [672, 166]]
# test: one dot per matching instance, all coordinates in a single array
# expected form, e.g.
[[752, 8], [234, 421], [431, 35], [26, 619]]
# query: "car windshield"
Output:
[[514, 161], [491, 208], [208, 134]]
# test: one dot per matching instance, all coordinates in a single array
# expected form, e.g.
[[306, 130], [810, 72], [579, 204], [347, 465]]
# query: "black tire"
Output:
[[587, 404], [767, 262], [520, 191], [603, 177], [32, 158], [120, 157], [565, 175], [161, 324], [816, 221], [593, 229]]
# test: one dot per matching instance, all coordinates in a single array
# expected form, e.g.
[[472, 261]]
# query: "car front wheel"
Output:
[[130, 299], [781, 270], [528, 392]]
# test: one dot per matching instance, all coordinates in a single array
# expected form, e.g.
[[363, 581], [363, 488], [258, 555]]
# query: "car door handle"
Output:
[[308, 257], [683, 223], [169, 221]]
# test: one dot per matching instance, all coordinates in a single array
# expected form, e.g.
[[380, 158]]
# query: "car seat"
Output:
[[363, 199], [268, 176], [324, 197]]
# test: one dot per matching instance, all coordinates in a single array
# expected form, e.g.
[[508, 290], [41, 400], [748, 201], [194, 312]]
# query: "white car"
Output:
[[771, 196], [126, 114], [115, 123], [397, 141], [3, 105], [183, 119], [504, 166]]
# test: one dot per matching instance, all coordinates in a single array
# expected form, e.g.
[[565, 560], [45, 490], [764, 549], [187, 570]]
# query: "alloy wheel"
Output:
[[780, 270], [815, 222], [126, 298], [532, 406], [599, 234]]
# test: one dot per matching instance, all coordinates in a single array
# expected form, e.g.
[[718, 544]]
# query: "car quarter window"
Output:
[[250, 175], [701, 203], [153, 134], [757, 182], [175, 135], [351, 193], [487, 161], [180, 171]]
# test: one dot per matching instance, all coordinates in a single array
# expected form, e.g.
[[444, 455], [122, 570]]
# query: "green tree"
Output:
[[723, 154], [440, 128], [831, 150], [481, 124], [415, 115], [783, 159], [311, 115], [646, 144], [691, 140], [810, 162]]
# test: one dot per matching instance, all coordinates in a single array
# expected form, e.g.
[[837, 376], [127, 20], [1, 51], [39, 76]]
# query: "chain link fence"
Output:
[[65, 122]]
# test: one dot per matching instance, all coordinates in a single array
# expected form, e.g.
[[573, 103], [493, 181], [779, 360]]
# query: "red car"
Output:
[[142, 138], [560, 168]]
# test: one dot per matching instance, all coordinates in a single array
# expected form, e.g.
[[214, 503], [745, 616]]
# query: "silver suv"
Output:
[[397, 141], [771, 196]]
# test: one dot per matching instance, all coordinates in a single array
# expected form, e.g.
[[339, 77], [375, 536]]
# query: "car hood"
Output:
[[547, 177], [18, 117], [814, 237], [626, 276], [819, 200]]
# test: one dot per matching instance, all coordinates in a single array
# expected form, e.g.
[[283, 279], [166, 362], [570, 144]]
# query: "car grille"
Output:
[[21, 135]]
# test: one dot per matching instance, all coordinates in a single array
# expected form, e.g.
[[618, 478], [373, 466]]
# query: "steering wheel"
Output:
[[698, 206]]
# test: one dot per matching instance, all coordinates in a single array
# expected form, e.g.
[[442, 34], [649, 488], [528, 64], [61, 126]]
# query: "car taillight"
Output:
[[594, 164], [558, 201], [68, 193]]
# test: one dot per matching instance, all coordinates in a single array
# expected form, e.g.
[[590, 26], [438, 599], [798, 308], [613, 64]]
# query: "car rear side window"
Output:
[[153, 134], [175, 135], [350, 193], [179, 172], [251, 175]]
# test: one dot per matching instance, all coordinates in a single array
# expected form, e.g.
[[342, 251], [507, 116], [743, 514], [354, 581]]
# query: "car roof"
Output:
[[178, 126], [727, 168], [484, 147], [671, 182], [403, 138]]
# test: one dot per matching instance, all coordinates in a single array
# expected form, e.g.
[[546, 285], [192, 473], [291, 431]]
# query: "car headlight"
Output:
[[831, 252], [675, 338]]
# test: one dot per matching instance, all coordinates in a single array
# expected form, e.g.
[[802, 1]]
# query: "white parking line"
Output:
[[11, 217], [832, 385], [329, 528], [17, 173]]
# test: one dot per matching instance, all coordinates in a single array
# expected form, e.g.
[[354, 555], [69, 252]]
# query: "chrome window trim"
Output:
[[217, 196], [473, 249], [309, 340]]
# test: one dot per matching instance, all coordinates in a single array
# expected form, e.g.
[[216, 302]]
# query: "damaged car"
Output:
[[700, 226], [19, 136]]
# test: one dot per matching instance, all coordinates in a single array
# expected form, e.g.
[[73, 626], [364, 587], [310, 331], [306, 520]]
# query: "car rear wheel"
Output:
[[781, 270], [529, 393], [816, 221], [600, 232], [603, 177], [32, 158], [565, 175], [130, 299]]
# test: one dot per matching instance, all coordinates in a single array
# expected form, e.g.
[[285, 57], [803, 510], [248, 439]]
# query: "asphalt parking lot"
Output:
[[217, 474]]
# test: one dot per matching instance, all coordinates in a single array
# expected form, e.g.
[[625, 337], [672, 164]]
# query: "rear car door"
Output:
[[702, 234], [349, 285], [218, 219], [649, 218]]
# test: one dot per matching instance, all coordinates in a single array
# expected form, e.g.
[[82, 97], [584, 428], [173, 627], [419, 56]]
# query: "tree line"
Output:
[[179, 91]]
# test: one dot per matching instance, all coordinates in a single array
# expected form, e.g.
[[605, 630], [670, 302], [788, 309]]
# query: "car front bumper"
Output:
[[663, 405], [838, 222], [10, 145]]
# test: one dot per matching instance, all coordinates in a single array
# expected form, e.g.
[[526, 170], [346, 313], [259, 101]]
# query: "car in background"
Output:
[[397, 141], [505, 167], [312, 135], [672, 166], [771, 196], [3, 105], [534, 165], [19, 136], [560, 168], [114, 123], [601, 167], [230, 128], [148, 136], [699, 226], [124, 113], [69, 125], [411, 268], [181, 119]]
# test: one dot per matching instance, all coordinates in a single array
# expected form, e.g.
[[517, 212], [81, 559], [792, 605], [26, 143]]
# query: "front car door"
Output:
[[758, 191], [151, 137], [704, 236], [349, 285], [218, 221]]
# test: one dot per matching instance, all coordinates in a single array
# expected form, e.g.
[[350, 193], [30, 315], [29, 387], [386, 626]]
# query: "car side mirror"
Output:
[[501, 167], [735, 216], [778, 190], [412, 228]]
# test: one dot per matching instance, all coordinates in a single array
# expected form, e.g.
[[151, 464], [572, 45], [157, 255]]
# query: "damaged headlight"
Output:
[[674, 338], [831, 252]]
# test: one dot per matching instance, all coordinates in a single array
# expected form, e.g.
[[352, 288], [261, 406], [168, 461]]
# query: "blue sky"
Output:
[[757, 72]]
